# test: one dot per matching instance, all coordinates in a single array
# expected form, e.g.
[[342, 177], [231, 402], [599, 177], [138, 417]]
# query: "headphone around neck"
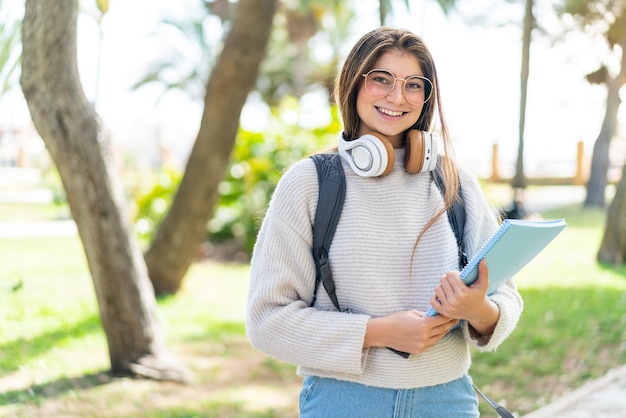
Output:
[[372, 154]]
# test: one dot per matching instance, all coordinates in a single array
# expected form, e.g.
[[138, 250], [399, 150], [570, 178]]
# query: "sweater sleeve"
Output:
[[481, 223], [280, 320]]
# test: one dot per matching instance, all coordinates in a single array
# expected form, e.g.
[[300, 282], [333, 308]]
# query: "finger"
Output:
[[440, 294], [446, 283], [435, 301], [483, 269], [442, 330], [453, 283], [449, 321], [441, 320], [444, 292], [447, 327], [483, 275]]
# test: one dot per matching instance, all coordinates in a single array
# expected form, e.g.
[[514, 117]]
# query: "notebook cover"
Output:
[[512, 247]]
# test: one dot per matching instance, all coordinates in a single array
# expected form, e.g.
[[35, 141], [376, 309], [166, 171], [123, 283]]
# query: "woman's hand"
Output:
[[454, 299], [407, 331]]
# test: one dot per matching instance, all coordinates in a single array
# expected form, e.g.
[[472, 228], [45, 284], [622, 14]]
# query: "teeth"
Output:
[[389, 112]]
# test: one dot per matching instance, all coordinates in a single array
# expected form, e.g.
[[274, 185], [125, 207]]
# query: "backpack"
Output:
[[332, 192]]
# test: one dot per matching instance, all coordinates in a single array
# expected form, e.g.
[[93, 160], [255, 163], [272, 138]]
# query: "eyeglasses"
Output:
[[417, 89]]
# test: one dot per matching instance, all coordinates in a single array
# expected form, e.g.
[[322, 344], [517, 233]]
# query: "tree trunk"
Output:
[[600, 159], [301, 27], [81, 150], [519, 180], [185, 226], [613, 247], [597, 182]]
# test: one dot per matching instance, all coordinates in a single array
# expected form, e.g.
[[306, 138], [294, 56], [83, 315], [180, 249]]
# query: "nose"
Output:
[[396, 95]]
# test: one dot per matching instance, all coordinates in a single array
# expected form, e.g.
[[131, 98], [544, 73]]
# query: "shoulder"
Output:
[[301, 175], [297, 188], [467, 178]]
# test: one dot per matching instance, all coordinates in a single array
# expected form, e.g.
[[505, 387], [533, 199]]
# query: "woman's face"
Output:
[[392, 114]]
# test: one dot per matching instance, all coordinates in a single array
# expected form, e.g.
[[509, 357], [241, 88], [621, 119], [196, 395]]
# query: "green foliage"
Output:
[[103, 6], [604, 17], [257, 162], [153, 204], [288, 69], [52, 181]]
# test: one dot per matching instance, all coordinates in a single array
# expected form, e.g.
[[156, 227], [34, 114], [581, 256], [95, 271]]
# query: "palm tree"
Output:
[[184, 227], [386, 6], [9, 48]]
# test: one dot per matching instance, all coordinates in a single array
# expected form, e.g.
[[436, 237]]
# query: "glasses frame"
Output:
[[432, 87]]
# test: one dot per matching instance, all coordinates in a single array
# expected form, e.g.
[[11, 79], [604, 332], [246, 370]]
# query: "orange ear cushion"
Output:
[[391, 156], [414, 159]]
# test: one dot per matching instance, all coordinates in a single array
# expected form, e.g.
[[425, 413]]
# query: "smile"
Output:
[[389, 112]]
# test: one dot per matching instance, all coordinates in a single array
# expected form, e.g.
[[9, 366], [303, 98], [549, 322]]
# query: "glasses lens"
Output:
[[379, 83], [418, 89]]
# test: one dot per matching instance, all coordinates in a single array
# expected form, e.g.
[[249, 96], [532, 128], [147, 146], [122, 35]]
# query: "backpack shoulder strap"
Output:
[[332, 192], [456, 213]]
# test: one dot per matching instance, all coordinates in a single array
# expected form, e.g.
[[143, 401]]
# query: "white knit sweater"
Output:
[[370, 257]]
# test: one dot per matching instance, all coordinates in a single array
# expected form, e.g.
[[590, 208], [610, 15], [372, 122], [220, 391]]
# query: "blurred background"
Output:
[[144, 65], [531, 92], [477, 47]]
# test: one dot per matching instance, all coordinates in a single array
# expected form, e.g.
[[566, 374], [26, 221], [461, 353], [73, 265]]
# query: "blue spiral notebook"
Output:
[[509, 249]]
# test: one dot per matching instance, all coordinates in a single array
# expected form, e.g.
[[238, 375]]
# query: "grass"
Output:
[[53, 357], [32, 212], [573, 327]]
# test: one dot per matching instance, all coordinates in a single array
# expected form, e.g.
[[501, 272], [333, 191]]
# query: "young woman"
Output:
[[393, 256]]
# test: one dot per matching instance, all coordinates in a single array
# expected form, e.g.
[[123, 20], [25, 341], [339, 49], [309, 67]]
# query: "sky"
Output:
[[478, 67]]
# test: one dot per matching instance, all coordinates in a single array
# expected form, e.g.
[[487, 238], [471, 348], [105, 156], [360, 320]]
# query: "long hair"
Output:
[[349, 81]]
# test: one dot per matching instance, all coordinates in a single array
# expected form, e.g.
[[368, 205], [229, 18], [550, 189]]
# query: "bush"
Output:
[[257, 162], [151, 206]]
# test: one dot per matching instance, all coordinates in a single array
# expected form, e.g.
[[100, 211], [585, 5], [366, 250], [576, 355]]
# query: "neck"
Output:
[[398, 141]]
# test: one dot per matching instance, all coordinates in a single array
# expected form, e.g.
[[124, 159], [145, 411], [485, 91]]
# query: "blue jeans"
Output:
[[330, 398]]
